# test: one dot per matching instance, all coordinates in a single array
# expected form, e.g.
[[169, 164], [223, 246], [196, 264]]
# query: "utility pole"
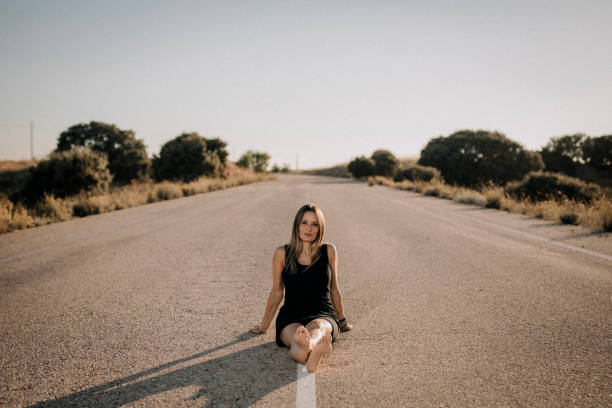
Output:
[[32, 140]]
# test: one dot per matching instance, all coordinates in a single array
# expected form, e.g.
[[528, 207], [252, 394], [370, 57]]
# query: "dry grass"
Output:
[[13, 217], [597, 216], [380, 181], [470, 197], [494, 196], [165, 191], [16, 165], [52, 209]]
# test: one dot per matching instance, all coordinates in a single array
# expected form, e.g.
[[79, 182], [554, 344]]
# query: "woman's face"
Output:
[[309, 228]]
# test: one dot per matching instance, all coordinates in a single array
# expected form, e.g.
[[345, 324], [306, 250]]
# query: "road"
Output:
[[452, 304]]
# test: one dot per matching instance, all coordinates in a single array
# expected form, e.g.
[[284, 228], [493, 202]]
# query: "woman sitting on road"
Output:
[[307, 271]]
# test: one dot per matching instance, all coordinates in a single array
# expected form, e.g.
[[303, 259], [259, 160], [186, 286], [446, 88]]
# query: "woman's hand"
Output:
[[346, 326], [258, 330]]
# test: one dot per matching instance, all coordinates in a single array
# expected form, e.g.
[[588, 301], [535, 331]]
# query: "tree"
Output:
[[217, 147], [564, 154], [385, 162], [473, 158], [65, 173], [256, 161], [127, 156], [597, 153], [246, 160], [260, 161], [362, 167], [186, 158]]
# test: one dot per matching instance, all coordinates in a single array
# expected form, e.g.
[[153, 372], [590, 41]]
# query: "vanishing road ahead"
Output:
[[452, 305]]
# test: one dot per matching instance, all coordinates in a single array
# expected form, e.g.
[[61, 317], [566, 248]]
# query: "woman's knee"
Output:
[[288, 333], [321, 324]]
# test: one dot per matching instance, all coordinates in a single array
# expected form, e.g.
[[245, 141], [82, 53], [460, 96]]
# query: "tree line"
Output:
[[473, 158], [90, 156], [478, 158]]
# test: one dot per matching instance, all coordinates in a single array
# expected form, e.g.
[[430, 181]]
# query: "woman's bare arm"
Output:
[[276, 293], [334, 289]]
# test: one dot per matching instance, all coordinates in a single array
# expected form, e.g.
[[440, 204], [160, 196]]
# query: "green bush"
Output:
[[256, 161], [474, 158], [68, 172], [597, 153], [416, 172], [187, 157], [542, 186], [385, 163], [127, 156], [564, 154], [362, 167]]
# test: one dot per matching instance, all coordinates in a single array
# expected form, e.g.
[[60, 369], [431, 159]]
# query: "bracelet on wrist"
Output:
[[342, 320]]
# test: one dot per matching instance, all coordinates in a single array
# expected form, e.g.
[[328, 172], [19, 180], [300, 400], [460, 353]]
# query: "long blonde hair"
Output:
[[296, 246]]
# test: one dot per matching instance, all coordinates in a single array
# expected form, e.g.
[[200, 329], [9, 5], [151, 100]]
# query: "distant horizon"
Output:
[[321, 81]]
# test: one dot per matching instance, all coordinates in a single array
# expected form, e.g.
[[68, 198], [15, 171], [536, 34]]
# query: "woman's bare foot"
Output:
[[302, 338], [322, 347]]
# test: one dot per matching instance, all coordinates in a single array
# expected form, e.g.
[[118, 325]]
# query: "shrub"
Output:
[[406, 185], [597, 153], [256, 161], [6, 213], [22, 218], [385, 163], [417, 172], [540, 186], [564, 154], [85, 205], [165, 191], [68, 172], [432, 190], [471, 197], [361, 167], [380, 180], [493, 198], [186, 158], [472, 158], [54, 208], [569, 217], [127, 156]]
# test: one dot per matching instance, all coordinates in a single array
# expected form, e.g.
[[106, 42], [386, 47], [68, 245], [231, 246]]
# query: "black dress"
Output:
[[307, 295]]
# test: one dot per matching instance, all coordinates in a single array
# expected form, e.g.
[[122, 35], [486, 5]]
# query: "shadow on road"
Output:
[[239, 380]]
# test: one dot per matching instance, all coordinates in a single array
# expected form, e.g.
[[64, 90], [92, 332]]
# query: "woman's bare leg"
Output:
[[296, 337], [320, 342]]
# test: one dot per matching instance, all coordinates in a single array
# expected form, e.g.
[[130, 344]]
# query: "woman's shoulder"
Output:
[[281, 251], [331, 248]]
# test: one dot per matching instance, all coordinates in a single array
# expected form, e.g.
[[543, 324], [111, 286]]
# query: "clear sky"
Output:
[[324, 80]]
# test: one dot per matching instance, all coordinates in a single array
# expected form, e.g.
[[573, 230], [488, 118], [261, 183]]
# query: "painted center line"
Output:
[[306, 393]]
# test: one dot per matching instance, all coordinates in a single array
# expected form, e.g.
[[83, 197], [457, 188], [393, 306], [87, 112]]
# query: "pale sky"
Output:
[[324, 80]]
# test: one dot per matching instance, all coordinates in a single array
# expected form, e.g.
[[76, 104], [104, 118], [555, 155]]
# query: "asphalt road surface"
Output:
[[452, 304]]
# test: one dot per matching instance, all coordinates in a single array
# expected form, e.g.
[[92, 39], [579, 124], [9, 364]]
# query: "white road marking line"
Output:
[[548, 240], [528, 235], [306, 393]]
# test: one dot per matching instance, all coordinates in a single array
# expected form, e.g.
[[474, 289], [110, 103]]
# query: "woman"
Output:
[[306, 271]]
